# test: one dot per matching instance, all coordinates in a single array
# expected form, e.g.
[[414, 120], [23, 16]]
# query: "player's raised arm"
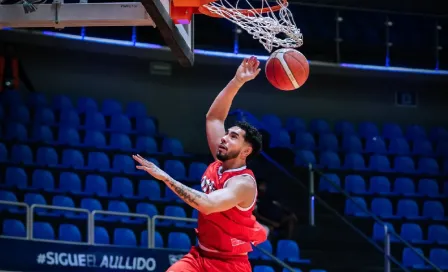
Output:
[[220, 107]]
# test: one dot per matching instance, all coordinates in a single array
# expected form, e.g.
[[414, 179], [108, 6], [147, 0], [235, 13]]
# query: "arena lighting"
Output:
[[239, 56]]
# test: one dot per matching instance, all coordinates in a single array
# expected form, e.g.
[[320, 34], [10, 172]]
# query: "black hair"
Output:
[[252, 136]]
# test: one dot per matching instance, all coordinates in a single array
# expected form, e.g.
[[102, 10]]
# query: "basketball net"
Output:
[[264, 24]]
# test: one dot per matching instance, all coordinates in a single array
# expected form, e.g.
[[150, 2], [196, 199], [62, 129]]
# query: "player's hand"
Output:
[[248, 70], [150, 168]]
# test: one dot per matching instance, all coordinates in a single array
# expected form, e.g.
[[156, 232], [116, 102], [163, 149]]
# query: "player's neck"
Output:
[[233, 164]]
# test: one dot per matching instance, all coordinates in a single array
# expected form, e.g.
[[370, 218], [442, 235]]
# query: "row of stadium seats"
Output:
[[381, 185], [413, 233]]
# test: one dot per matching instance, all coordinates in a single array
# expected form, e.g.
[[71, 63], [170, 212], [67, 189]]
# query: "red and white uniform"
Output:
[[224, 237]]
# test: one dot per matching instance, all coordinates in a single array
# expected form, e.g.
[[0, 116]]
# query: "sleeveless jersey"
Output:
[[232, 231]]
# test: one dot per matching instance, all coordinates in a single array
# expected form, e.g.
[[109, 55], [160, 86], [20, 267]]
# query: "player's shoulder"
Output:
[[242, 180]]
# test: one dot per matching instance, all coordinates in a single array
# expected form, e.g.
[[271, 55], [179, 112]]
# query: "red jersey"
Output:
[[232, 231]]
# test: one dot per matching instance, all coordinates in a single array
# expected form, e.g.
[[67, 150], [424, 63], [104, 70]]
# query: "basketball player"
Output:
[[226, 227]]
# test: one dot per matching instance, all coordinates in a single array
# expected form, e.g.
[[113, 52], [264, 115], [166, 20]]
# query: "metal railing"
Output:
[[165, 217]]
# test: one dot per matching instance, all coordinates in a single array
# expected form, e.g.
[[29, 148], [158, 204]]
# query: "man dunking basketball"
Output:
[[226, 227]]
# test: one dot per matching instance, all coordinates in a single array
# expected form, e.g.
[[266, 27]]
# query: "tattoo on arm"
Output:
[[187, 194]]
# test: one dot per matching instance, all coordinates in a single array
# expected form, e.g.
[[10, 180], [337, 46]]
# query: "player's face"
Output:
[[232, 144]]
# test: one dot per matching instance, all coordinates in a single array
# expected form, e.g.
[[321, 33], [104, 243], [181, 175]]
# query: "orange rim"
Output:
[[246, 12]]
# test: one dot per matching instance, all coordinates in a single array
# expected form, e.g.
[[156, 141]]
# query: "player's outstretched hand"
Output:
[[150, 168], [248, 70]]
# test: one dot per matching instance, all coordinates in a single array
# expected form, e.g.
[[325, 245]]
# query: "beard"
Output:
[[228, 156]]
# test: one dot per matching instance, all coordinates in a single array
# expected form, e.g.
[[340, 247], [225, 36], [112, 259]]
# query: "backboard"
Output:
[[152, 13]]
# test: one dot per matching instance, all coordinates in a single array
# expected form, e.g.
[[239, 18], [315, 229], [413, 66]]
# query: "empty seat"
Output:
[[17, 177], [330, 160], [63, 201], [422, 148], [351, 143], [379, 232], [135, 109], [379, 163], [122, 187], [120, 123], [355, 184], [344, 128], [175, 169], [68, 136], [44, 116], [179, 240], [19, 114], [72, 158], [399, 146], [149, 189], [96, 185], [14, 228], [354, 161], [42, 134], [326, 186], [328, 142], [95, 121], [123, 163], [408, 209], [433, 210], [196, 170], [415, 132], [368, 130], [120, 207], [86, 105], [392, 131], [380, 185], [16, 131], [411, 259], [146, 126], [69, 233], [304, 157], [438, 234], [110, 107], [120, 142], [428, 166], [148, 209], [172, 146], [101, 236], [404, 164], [43, 230], [295, 124], [47, 156], [439, 256], [289, 250], [174, 211], [42, 179], [404, 186], [411, 232], [263, 268], [69, 119], [280, 139], [304, 140], [8, 196], [352, 209], [69, 182], [146, 144], [375, 145], [382, 207], [124, 237], [98, 161], [319, 126], [21, 154], [91, 205], [428, 187], [271, 122], [61, 103], [32, 198], [95, 139]]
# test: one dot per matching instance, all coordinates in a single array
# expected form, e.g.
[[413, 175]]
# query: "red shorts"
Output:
[[198, 260]]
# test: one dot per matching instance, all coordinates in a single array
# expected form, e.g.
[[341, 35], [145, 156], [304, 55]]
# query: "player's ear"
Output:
[[246, 151]]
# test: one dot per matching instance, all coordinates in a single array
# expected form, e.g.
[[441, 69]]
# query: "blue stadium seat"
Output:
[[325, 186], [95, 121], [96, 185], [124, 237], [42, 179], [428, 166], [36, 100], [61, 102], [69, 119], [69, 182], [412, 233], [392, 131], [411, 259], [10, 97], [91, 204], [94, 139], [69, 233], [149, 189], [267, 246], [428, 187], [304, 140], [21, 154], [271, 122], [72, 158], [289, 250], [3, 153], [175, 169], [98, 161], [144, 239], [375, 145], [403, 164], [19, 114], [124, 163], [31, 198], [422, 148], [442, 149], [146, 126], [294, 124], [179, 240], [344, 128], [399, 146], [196, 170], [438, 234], [122, 187], [64, 201], [382, 207], [110, 107], [172, 146], [415, 132], [330, 160], [43, 230], [263, 268], [281, 139], [101, 236], [120, 142], [352, 209], [439, 256], [438, 134], [408, 209], [87, 105], [120, 123], [319, 126], [379, 163], [118, 206], [434, 210], [16, 131], [380, 185], [304, 157], [68, 136], [158, 240], [44, 116], [355, 184], [146, 144], [135, 109], [328, 142], [354, 161], [404, 186], [11, 197], [148, 209], [368, 130], [14, 228], [174, 211], [351, 143], [47, 156], [42, 134], [378, 232], [16, 177]]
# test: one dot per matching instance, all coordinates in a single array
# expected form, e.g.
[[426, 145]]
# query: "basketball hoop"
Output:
[[264, 24]]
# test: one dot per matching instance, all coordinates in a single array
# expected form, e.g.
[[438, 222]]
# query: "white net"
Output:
[[265, 24]]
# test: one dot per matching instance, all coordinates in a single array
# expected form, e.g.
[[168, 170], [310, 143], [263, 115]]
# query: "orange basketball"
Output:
[[287, 69]]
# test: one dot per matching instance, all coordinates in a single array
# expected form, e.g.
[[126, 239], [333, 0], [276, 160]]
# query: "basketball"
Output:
[[287, 69]]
